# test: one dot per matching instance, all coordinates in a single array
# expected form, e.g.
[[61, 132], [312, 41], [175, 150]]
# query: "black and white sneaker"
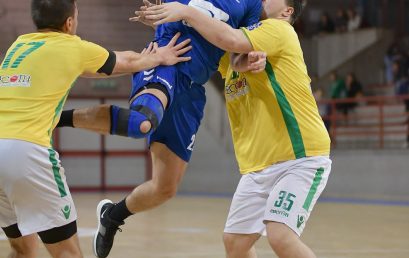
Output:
[[107, 227]]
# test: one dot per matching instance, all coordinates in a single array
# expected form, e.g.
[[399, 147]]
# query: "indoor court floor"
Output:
[[191, 227]]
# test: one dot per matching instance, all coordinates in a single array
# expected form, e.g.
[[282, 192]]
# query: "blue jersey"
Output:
[[205, 56], [184, 81]]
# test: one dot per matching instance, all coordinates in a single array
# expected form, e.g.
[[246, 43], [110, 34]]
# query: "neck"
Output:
[[281, 18], [50, 30]]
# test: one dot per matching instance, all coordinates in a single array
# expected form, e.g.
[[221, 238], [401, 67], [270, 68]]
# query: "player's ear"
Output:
[[288, 12], [68, 25]]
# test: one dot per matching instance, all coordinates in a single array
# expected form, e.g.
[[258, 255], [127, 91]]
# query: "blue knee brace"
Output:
[[127, 122]]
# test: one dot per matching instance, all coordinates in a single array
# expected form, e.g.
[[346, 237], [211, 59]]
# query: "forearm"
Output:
[[130, 62], [239, 62], [139, 62], [217, 32]]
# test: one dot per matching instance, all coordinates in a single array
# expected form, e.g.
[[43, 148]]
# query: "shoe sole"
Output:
[[99, 207]]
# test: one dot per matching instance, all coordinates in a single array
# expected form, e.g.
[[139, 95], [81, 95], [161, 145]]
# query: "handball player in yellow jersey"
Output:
[[36, 75], [280, 140]]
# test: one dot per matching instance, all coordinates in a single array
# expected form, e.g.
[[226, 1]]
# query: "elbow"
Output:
[[235, 44], [230, 44], [226, 41]]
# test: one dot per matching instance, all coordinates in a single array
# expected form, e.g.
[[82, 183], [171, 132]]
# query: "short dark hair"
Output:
[[298, 6], [51, 14]]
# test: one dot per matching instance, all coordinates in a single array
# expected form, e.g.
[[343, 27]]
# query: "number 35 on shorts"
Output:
[[192, 143]]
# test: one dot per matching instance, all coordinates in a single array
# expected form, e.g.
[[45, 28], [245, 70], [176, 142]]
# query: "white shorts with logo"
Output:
[[33, 189], [284, 193]]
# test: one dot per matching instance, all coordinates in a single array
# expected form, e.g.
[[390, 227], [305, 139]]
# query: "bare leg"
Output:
[[96, 119], [168, 170], [69, 248], [286, 243], [240, 245], [24, 247]]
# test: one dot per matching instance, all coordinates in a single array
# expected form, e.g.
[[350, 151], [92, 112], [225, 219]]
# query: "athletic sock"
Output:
[[119, 212]]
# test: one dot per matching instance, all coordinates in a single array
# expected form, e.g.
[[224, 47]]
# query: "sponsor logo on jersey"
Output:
[[254, 26], [281, 213], [16, 80], [236, 87]]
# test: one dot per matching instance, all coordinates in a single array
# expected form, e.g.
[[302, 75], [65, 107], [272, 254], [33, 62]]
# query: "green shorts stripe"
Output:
[[57, 175], [313, 190]]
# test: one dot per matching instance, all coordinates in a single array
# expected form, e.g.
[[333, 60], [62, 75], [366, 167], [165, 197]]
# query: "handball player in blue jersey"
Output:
[[166, 105]]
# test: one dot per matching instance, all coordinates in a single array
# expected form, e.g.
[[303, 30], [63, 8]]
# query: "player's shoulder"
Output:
[[276, 22], [273, 23], [275, 26]]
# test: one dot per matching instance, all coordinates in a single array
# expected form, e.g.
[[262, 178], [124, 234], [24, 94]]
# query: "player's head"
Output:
[[60, 15], [289, 10]]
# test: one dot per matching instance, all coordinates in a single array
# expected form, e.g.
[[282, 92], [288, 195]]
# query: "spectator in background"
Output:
[[341, 21], [326, 24], [353, 90], [337, 91], [388, 62], [337, 87], [405, 61], [394, 54], [397, 73], [323, 108], [354, 20], [401, 81]]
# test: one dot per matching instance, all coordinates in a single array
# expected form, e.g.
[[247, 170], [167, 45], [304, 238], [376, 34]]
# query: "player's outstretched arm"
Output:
[[216, 32], [130, 62], [127, 62]]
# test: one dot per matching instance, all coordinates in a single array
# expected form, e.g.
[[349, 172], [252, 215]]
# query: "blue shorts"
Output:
[[182, 118], [165, 75]]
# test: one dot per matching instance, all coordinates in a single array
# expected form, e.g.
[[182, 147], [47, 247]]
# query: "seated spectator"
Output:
[[326, 25], [337, 87], [337, 91], [323, 108], [341, 21], [398, 73], [354, 20], [405, 61], [353, 90], [395, 58], [401, 81]]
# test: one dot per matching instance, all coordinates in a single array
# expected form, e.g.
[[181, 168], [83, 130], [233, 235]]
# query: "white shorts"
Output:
[[284, 193], [33, 190]]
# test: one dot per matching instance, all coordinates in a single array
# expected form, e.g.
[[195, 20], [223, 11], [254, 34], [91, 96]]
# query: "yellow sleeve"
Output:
[[224, 65], [265, 36], [94, 56]]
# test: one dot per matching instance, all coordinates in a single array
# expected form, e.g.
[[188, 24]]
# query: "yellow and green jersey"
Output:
[[35, 78], [273, 114]]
